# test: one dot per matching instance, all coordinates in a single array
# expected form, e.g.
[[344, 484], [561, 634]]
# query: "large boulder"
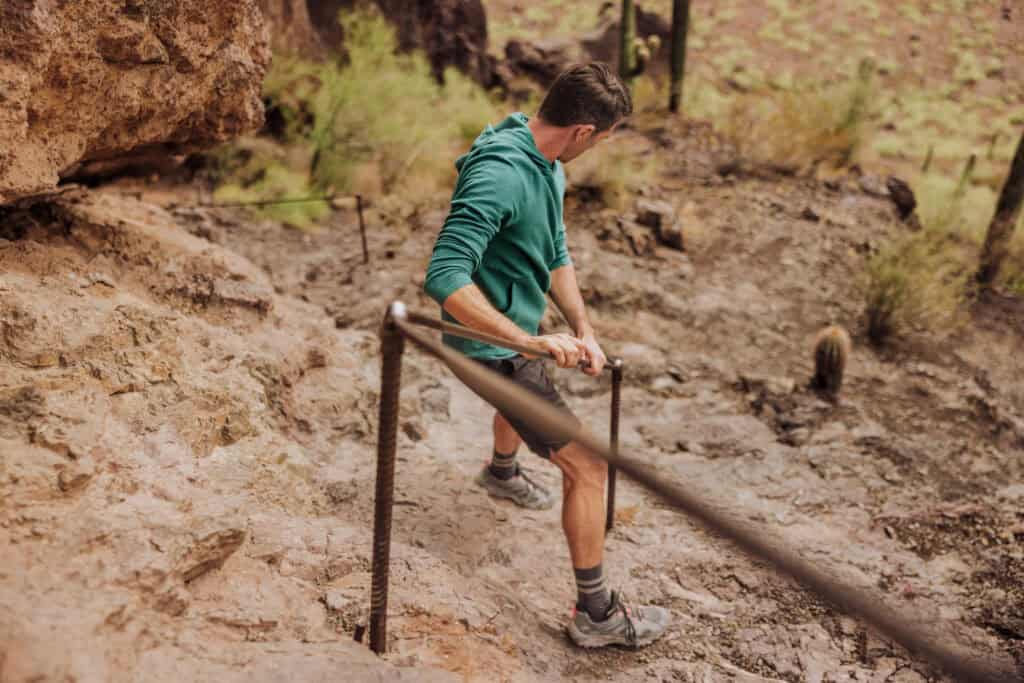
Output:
[[449, 32], [98, 80], [294, 31]]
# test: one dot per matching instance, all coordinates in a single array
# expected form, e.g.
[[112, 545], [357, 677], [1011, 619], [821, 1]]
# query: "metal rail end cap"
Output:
[[396, 311]]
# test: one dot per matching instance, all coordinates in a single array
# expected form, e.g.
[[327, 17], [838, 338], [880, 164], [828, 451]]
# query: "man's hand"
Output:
[[567, 349], [566, 293], [595, 355]]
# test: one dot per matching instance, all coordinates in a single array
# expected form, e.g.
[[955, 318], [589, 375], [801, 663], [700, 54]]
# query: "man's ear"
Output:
[[583, 132]]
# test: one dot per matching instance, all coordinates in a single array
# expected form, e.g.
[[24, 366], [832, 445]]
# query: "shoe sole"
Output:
[[586, 641], [499, 493]]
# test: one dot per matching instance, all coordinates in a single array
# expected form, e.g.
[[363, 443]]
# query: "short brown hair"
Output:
[[587, 94]]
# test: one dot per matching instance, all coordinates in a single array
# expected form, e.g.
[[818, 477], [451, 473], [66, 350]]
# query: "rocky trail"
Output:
[[187, 418], [188, 395]]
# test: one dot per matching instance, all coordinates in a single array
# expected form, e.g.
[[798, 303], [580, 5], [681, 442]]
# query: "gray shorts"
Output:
[[532, 376]]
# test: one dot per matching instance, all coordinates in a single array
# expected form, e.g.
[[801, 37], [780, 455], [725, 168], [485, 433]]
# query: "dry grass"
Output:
[[914, 284], [797, 130], [615, 170], [921, 281], [1013, 268]]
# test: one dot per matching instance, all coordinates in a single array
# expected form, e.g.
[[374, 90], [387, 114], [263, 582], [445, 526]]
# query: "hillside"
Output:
[[188, 406]]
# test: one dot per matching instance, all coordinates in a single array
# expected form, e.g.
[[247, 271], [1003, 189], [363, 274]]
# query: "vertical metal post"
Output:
[[392, 345], [614, 440], [362, 227]]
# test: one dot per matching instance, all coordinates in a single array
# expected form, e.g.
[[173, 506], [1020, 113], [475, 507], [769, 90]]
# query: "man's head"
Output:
[[588, 101]]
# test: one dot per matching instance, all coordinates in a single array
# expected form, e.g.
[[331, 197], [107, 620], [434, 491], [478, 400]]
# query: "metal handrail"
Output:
[[457, 330], [521, 404]]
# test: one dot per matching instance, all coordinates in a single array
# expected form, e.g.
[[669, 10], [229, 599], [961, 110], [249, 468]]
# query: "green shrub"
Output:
[[384, 111], [373, 121], [255, 170], [922, 280]]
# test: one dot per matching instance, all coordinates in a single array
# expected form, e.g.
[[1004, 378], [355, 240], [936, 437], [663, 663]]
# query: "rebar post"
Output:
[[362, 227], [613, 440], [392, 346]]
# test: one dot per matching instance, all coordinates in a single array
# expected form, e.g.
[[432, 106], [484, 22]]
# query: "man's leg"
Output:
[[503, 477], [506, 445], [601, 618], [583, 518]]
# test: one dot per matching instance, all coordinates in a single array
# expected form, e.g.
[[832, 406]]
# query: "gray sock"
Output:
[[592, 594], [503, 466]]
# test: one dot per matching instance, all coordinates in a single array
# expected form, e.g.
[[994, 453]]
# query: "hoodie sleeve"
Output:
[[562, 257], [485, 200]]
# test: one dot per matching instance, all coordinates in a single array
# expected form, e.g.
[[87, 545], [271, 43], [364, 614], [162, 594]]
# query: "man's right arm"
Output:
[[470, 307], [478, 211]]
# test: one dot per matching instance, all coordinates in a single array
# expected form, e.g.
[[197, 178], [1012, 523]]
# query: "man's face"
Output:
[[584, 137]]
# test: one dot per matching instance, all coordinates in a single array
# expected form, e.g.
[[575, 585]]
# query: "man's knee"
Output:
[[579, 465]]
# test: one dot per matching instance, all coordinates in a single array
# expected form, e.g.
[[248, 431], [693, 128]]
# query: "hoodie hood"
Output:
[[511, 136]]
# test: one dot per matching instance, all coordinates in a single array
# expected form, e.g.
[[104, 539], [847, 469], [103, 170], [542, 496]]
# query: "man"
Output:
[[501, 250]]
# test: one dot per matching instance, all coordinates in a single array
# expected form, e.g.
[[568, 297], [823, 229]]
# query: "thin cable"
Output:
[[518, 403], [266, 202]]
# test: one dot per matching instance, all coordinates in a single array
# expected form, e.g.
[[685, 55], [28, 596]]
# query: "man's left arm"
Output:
[[565, 290]]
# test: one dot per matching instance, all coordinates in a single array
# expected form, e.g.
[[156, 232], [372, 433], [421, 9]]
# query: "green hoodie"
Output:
[[504, 232]]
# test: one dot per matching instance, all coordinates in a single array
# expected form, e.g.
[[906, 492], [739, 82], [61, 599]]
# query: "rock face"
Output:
[[99, 80], [540, 61], [293, 29], [450, 32], [174, 440]]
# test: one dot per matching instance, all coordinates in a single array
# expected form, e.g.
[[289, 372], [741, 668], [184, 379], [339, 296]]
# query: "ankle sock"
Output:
[[503, 466], [592, 594]]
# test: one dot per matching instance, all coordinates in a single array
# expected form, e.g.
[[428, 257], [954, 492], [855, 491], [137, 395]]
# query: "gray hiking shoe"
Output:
[[521, 490], [629, 626]]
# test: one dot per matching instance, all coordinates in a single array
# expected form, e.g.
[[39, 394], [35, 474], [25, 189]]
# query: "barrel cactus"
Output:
[[831, 351]]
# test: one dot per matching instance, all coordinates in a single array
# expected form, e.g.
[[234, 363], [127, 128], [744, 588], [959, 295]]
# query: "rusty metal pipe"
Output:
[[906, 630], [362, 227], [616, 366], [392, 345]]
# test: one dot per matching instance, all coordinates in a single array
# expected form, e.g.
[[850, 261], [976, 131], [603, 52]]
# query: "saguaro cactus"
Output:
[[627, 40], [680, 26], [1000, 230]]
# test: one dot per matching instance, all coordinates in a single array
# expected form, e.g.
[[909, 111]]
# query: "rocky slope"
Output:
[[145, 79], [174, 442], [187, 408]]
